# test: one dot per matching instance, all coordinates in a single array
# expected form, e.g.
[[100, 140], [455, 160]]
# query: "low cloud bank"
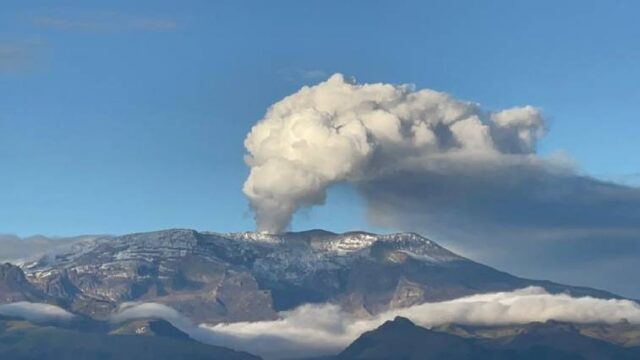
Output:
[[323, 329], [35, 312], [313, 330], [137, 310]]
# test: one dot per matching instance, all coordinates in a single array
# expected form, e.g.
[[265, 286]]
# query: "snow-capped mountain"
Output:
[[250, 276]]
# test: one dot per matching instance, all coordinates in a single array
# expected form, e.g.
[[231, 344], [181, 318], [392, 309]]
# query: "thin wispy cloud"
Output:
[[11, 56], [291, 74], [104, 21], [313, 74], [19, 56]]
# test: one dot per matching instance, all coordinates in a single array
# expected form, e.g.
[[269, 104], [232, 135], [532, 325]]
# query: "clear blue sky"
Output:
[[126, 116]]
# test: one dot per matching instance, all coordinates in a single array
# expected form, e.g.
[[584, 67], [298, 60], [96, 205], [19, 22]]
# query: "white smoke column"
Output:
[[339, 131]]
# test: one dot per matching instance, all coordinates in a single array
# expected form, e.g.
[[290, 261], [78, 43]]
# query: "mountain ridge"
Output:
[[247, 276]]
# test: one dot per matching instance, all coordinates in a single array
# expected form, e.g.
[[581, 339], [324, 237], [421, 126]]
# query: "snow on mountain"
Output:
[[250, 276]]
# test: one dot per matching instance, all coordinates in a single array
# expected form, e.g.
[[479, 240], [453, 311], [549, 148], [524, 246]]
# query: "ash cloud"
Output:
[[467, 177], [339, 131]]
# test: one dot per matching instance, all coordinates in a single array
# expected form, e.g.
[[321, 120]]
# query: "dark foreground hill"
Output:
[[401, 339], [22, 340]]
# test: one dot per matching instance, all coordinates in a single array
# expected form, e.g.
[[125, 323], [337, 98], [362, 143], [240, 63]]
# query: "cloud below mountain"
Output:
[[138, 310], [324, 329], [35, 312], [320, 329]]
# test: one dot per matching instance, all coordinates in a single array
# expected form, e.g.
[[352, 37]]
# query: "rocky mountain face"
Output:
[[214, 277], [15, 287]]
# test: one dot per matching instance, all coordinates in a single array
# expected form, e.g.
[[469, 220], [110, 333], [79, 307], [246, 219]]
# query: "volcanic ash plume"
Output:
[[340, 131]]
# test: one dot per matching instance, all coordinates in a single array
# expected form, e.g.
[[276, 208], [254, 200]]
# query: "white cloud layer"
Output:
[[324, 329], [312, 330], [321, 329], [137, 310], [35, 312]]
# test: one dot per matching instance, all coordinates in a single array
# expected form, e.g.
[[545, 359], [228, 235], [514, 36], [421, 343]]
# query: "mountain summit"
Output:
[[214, 277]]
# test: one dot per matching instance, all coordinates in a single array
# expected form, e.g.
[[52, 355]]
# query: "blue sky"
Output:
[[129, 116]]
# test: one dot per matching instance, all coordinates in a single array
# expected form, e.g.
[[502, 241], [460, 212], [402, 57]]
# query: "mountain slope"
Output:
[[250, 276], [401, 339], [565, 337], [15, 287]]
